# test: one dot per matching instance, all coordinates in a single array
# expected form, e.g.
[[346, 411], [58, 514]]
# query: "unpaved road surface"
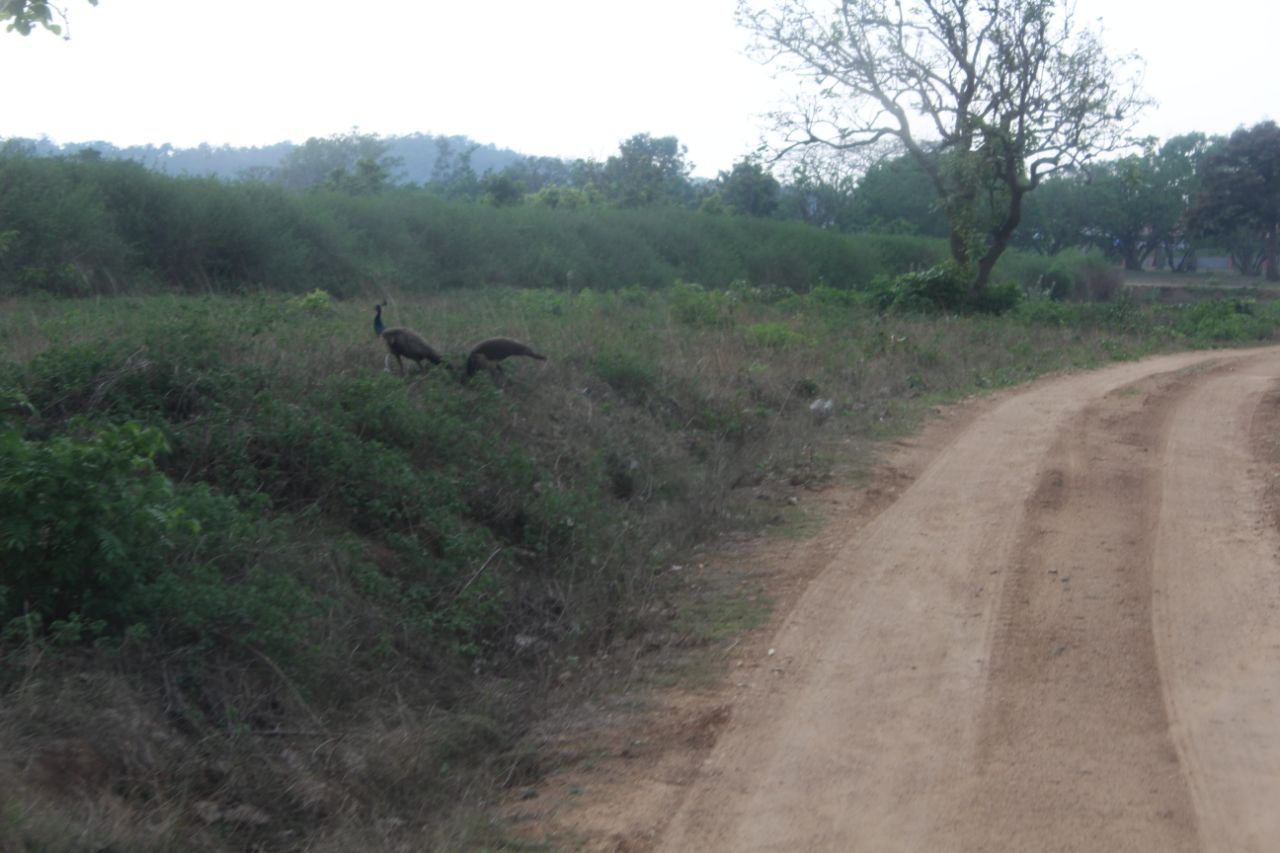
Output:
[[1063, 634]]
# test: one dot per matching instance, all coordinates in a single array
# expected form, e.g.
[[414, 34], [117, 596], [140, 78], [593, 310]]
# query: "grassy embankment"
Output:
[[261, 592]]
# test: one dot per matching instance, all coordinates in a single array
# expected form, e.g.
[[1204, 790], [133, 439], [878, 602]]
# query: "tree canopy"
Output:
[[749, 189], [988, 96], [351, 162], [22, 16], [1239, 201], [647, 170]]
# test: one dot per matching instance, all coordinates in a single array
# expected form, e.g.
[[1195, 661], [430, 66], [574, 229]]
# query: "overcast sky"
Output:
[[565, 78]]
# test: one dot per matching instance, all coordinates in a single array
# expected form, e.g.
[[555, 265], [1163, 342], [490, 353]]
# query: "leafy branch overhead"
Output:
[[989, 98], [21, 16]]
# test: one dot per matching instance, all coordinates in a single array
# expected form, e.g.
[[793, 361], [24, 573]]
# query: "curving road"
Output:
[[1064, 635]]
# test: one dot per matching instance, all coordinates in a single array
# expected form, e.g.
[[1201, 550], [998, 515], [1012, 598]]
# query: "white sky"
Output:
[[564, 78]]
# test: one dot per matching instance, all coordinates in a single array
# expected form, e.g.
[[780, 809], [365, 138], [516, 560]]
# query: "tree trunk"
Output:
[[999, 240], [1273, 274], [959, 248]]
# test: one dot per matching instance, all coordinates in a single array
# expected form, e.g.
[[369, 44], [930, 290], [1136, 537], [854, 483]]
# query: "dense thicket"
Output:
[[73, 226]]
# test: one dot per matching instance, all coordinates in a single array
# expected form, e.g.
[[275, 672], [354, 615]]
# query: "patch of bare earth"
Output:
[[1052, 622]]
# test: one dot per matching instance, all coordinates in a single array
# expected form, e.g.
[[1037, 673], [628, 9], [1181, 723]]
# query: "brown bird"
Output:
[[404, 343], [487, 354]]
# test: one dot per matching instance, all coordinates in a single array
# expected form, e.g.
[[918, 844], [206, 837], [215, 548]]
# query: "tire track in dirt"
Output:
[[1074, 687], [1217, 607], [979, 670]]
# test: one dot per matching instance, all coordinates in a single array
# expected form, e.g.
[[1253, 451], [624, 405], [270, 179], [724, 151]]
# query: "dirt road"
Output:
[[1064, 634]]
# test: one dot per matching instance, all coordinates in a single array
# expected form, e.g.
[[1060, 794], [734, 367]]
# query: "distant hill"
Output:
[[418, 152]]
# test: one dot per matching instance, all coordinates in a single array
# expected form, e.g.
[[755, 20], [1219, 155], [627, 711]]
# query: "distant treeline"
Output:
[[336, 211], [417, 153]]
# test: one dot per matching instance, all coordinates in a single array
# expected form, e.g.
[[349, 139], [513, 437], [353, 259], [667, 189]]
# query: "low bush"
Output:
[[85, 520], [943, 287], [1227, 321], [629, 373], [773, 335], [997, 298], [695, 305], [1080, 277], [99, 545]]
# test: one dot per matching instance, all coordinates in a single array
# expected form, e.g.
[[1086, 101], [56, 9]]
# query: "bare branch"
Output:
[[988, 96]]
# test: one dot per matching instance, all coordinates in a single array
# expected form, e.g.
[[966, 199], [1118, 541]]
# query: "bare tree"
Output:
[[988, 96]]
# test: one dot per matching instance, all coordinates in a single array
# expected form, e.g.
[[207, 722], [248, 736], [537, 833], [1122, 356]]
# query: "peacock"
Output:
[[487, 354], [403, 343]]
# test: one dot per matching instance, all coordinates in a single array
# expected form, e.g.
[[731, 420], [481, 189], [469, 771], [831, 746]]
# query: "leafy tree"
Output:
[[1239, 200], [1057, 216], [564, 198], [503, 190], [1124, 196], [344, 160], [452, 174], [1176, 168], [1132, 209], [367, 177], [895, 195], [24, 15], [647, 171], [820, 194], [1010, 90], [1139, 203], [534, 173], [749, 189]]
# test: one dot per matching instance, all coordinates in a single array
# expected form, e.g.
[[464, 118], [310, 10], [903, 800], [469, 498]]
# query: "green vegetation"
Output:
[[262, 587], [257, 593], [281, 554], [76, 227], [23, 16], [1169, 207]]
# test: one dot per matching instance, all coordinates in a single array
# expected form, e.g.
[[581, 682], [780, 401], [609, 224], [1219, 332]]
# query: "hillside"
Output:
[[418, 154]]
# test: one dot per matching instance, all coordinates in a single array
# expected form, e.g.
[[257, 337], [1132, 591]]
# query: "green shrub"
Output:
[[84, 520], [830, 296], [1046, 312], [944, 287], [1225, 321], [97, 543], [627, 372], [1080, 277], [904, 252], [997, 298], [773, 335], [694, 305], [317, 301]]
